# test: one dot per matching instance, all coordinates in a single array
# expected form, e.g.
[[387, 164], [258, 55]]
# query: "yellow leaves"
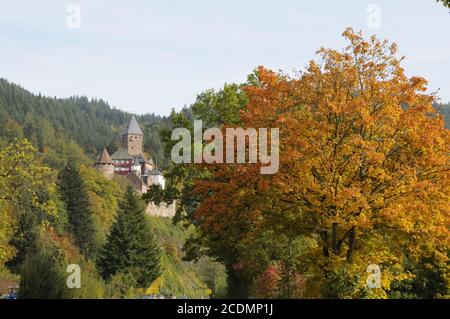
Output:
[[241, 193], [103, 196], [49, 207], [45, 227], [364, 220], [22, 182], [7, 228], [155, 287]]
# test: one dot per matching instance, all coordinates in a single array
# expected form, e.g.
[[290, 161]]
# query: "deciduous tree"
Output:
[[364, 168], [23, 197]]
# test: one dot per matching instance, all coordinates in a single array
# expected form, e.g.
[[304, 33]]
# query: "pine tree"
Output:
[[43, 278], [131, 247], [80, 222]]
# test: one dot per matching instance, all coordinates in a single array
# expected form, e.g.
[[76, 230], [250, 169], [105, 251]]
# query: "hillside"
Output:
[[91, 124], [75, 130], [182, 278]]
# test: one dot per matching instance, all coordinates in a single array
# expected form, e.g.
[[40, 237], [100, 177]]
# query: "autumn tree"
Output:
[[364, 170], [214, 108], [25, 200]]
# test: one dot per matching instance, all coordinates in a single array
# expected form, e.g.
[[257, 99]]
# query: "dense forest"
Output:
[[89, 124], [77, 121]]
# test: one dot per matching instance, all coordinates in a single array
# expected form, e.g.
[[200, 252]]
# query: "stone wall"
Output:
[[161, 210], [133, 144], [106, 169], [137, 183]]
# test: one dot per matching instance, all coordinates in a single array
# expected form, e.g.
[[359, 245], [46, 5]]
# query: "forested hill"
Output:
[[74, 130], [65, 124], [92, 124]]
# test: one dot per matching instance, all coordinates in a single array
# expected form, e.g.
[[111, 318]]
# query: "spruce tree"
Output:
[[42, 277], [131, 248], [80, 222]]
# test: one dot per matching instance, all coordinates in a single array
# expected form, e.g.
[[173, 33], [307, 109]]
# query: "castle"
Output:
[[131, 162]]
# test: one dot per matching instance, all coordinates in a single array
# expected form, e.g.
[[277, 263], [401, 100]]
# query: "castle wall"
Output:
[[137, 183], [161, 210], [132, 140], [106, 169]]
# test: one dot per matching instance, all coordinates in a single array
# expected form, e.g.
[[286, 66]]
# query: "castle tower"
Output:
[[155, 177], [132, 138], [136, 168], [105, 165]]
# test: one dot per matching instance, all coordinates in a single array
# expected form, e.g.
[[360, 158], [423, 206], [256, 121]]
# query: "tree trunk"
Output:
[[334, 242], [351, 243], [324, 237]]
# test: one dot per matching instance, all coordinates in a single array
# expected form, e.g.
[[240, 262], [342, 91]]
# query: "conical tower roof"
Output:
[[155, 172], [133, 127], [105, 158], [136, 162]]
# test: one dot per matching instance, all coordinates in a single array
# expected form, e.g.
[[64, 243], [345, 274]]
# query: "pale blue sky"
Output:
[[150, 56]]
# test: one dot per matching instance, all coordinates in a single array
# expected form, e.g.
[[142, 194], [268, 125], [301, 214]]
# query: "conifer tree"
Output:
[[80, 222], [43, 278], [131, 247]]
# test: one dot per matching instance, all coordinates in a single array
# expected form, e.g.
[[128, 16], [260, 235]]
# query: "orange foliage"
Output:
[[364, 161]]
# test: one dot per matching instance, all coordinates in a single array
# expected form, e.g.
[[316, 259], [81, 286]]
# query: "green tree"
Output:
[[43, 278], [215, 108], [24, 200], [131, 247], [80, 221], [122, 286]]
